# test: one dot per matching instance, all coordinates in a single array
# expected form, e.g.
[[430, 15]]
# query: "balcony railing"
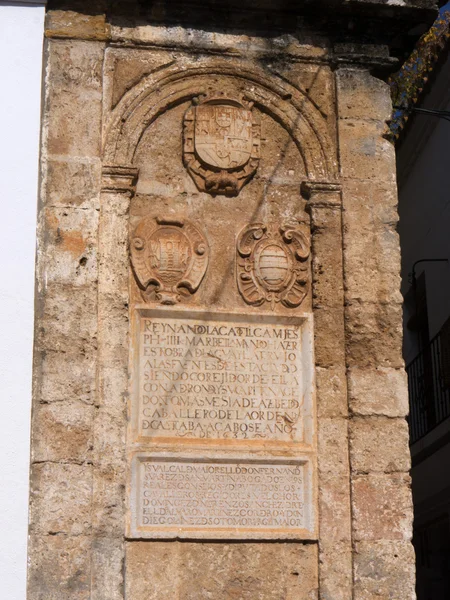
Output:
[[429, 387]]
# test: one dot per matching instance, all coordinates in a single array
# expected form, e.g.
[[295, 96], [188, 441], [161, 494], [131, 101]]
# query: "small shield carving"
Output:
[[272, 264], [221, 145], [169, 258], [223, 135]]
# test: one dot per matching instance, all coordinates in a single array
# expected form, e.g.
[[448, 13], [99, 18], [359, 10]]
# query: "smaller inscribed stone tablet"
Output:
[[221, 498], [221, 376]]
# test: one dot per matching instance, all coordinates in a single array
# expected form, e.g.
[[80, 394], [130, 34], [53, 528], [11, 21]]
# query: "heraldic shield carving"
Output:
[[272, 264], [221, 145], [169, 258]]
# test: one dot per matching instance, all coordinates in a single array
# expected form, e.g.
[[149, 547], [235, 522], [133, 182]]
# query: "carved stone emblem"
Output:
[[221, 145], [169, 258], [272, 264]]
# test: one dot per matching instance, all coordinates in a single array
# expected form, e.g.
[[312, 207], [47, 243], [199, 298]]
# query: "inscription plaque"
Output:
[[221, 434], [177, 497], [222, 377]]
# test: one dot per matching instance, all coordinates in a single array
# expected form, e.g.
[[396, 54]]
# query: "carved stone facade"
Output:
[[218, 321]]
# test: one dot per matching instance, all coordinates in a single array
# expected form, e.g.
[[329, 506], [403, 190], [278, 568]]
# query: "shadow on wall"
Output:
[[373, 20]]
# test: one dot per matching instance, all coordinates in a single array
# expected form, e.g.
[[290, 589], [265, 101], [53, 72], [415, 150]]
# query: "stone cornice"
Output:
[[322, 194], [119, 179], [324, 23]]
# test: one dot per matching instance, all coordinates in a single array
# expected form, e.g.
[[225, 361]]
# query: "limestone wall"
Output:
[[218, 207]]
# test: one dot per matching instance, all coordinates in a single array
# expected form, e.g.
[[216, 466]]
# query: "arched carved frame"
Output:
[[171, 86], [295, 112]]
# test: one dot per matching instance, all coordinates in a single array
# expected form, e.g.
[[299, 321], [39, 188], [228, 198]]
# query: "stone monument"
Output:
[[219, 394]]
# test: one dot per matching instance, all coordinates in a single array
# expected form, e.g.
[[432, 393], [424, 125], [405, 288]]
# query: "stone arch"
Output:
[[170, 86]]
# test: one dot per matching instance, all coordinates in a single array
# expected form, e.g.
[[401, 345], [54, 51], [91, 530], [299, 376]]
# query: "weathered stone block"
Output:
[[334, 508], [364, 153], [68, 320], [157, 578], [70, 252], [128, 67], [326, 289], [384, 569], [334, 487], [327, 260], [335, 570], [108, 493], [329, 337], [379, 444], [61, 497], [371, 244], [116, 205], [331, 386], [64, 431], [285, 198], [333, 446], [109, 437], [373, 203], [113, 258], [372, 261], [66, 376], [319, 83], [59, 567], [71, 24], [107, 568], [73, 98], [113, 390], [379, 391], [113, 314], [382, 507], [286, 169], [243, 571], [374, 334], [73, 183], [362, 96]]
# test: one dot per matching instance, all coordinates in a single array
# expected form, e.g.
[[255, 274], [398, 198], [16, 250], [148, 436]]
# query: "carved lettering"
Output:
[[225, 495], [221, 379]]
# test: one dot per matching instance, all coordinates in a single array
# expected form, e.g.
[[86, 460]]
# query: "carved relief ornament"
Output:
[[272, 264], [221, 145], [169, 257]]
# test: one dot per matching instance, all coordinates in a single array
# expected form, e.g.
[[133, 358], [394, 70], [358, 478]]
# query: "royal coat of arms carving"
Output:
[[272, 264], [169, 258], [221, 145]]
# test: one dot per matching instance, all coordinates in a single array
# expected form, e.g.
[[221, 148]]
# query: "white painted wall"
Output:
[[21, 35]]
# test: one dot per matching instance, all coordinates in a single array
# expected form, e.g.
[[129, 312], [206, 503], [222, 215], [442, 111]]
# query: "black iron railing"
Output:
[[429, 388]]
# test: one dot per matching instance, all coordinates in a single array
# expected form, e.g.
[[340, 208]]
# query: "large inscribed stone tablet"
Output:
[[249, 498], [221, 436], [221, 377]]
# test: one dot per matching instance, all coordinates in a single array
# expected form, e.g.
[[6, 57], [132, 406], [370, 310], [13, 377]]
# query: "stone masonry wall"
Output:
[[117, 89]]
